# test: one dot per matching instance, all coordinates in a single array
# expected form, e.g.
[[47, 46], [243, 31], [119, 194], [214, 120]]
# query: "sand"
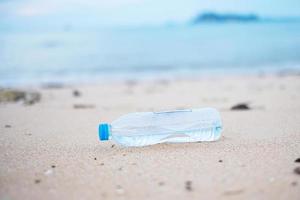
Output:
[[50, 150]]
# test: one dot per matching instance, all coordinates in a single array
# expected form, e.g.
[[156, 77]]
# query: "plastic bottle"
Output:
[[148, 128]]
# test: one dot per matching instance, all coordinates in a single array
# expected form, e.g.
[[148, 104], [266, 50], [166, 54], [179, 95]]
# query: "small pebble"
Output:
[[188, 185], [240, 106], [104, 195], [233, 192], [161, 183], [7, 126], [297, 160], [76, 93], [83, 106], [53, 166], [294, 183], [37, 181], [95, 158], [112, 146], [120, 168], [124, 154], [102, 164], [220, 160], [48, 172], [119, 190], [297, 170]]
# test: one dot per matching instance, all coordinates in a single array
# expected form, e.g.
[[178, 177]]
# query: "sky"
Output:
[[137, 12]]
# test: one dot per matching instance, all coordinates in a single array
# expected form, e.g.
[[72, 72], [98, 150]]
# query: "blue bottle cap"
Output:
[[104, 131]]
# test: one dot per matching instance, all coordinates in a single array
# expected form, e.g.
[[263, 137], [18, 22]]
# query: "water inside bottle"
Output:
[[203, 134]]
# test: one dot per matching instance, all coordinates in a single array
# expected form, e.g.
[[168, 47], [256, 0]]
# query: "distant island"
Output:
[[222, 18]]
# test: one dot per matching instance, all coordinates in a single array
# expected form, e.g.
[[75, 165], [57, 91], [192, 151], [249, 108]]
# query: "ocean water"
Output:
[[98, 54]]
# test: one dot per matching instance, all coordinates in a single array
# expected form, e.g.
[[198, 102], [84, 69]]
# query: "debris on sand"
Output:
[[188, 185], [240, 106], [76, 93], [119, 190], [7, 126], [83, 106], [294, 183], [37, 181], [297, 170], [233, 192], [297, 160], [13, 95], [31, 98], [131, 83], [161, 183], [53, 85], [48, 172]]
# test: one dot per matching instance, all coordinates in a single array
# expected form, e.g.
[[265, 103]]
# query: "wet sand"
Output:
[[50, 150]]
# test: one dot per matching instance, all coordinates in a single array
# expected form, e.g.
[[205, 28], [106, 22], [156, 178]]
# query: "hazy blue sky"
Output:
[[124, 12]]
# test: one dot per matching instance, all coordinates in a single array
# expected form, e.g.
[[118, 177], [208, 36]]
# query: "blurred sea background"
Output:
[[40, 50]]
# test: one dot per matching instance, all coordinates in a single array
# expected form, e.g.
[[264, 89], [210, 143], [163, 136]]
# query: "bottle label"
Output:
[[173, 111]]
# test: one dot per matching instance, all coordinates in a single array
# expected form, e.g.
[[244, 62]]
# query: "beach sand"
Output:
[[51, 150]]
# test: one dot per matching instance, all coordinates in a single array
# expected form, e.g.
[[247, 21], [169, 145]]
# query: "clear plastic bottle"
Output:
[[148, 128]]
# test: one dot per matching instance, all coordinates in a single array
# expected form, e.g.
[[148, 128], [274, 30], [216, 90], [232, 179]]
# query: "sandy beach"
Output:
[[51, 150]]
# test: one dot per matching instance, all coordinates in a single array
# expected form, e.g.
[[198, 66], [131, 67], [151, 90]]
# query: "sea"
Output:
[[71, 54]]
